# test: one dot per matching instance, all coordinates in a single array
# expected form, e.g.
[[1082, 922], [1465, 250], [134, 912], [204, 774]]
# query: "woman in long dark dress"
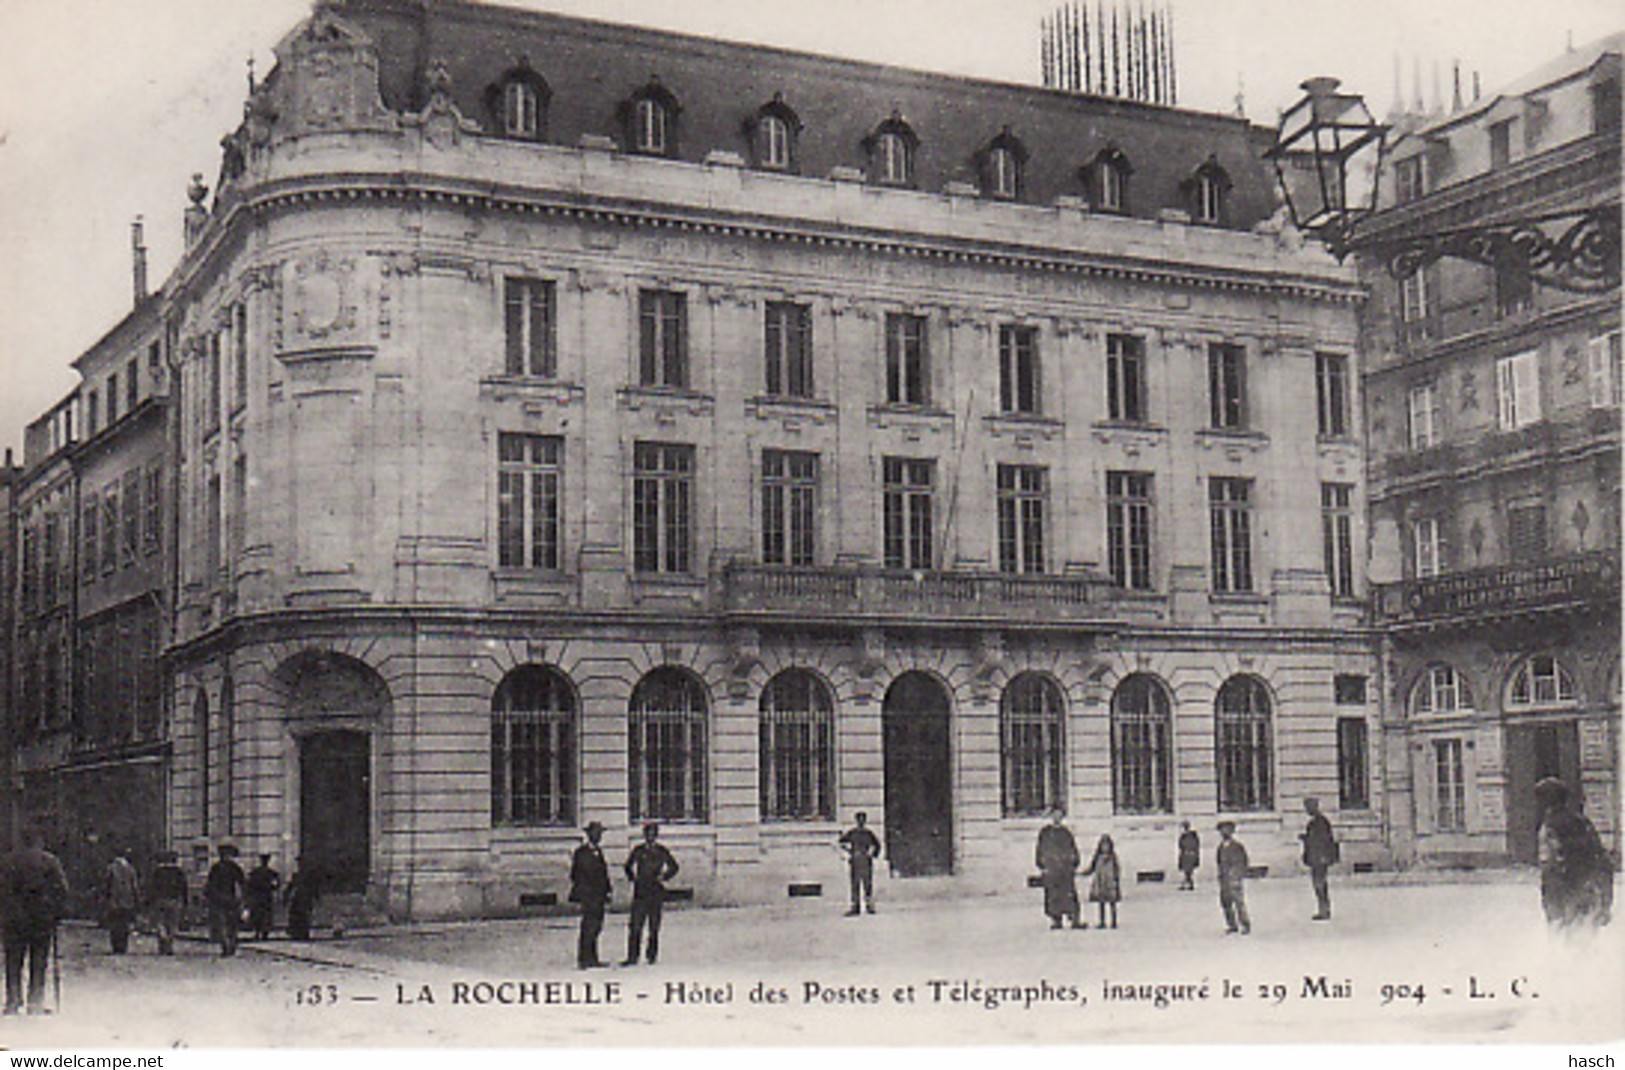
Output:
[[1058, 865], [1576, 871]]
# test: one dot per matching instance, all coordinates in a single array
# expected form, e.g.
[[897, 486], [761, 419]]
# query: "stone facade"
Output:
[[500, 507]]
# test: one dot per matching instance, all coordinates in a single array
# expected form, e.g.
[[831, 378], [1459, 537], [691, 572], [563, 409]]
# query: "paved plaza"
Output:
[[1412, 960]]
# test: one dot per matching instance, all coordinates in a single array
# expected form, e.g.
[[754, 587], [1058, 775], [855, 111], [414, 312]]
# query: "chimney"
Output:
[[1455, 93], [138, 257], [197, 216]]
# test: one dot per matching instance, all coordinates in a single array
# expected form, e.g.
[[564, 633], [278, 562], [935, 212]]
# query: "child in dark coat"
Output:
[[1107, 887]]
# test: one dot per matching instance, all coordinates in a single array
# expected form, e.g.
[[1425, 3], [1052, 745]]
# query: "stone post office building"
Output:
[[573, 421]]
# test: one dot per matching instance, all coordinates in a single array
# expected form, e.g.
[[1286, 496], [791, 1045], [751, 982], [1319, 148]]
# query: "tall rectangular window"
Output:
[[239, 358], [110, 519], [89, 537], [1023, 490], [908, 362], [1449, 787], [112, 399], [528, 327], [789, 507], [1410, 179], [212, 396], [662, 507], [906, 503], [1128, 529], [130, 542], [93, 412], [1125, 378], [788, 366], [1413, 296], [1605, 371], [132, 385], [1019, 387], [1353, 779], [1429, 547], [237, 510], [1337, 536], [663, 339], [1500, 143], [1227, 386], [1514, 289], [1230, 515], [1526, 532], [1517, 382], [1332, 394], [1422, 416], [152, 530], [212, 534], [529, 470]]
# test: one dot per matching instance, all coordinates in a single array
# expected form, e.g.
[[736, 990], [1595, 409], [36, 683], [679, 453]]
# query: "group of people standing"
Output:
[[648, 867], [232, 896], [1058, 860]]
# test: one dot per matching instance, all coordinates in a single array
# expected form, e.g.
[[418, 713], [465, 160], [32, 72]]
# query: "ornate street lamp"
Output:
[[1328, 155]]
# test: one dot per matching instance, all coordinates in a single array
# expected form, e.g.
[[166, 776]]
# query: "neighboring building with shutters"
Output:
[[1493, 411]]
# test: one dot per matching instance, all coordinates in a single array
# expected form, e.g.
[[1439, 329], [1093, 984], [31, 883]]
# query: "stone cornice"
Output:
[[1181, 266]]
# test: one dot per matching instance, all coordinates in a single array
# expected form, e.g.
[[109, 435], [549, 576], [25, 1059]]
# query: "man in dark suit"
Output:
[[35, 894], [589, 886], [648, 867], [1319, 854], [223, 895]]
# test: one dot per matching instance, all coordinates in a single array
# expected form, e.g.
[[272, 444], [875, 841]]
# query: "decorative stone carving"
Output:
[[328, 80], [869, 653], [324, 298], [443, 125]]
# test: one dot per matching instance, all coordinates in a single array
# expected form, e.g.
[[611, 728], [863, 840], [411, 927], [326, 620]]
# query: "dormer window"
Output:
[[891, 152], [652, 121], [650, 135], [1001, 166], [775, 142], [1208, 189], [518, 104], [1107, 178], [519, 110], [773, 131]]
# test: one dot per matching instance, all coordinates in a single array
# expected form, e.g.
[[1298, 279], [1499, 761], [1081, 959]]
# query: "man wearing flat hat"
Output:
[[589, 886]]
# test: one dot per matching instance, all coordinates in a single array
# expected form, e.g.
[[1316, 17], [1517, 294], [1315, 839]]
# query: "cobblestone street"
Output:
[[1418, 962]]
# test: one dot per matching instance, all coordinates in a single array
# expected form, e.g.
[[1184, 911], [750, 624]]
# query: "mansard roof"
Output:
[[594, 68]]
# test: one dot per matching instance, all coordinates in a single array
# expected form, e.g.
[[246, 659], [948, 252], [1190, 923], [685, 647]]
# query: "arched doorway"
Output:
[[333, 706], [335, 805], [919, 777]]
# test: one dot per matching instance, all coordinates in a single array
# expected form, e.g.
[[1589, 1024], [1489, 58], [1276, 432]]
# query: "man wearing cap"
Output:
[[167, 894], [1319, 854], [1232, 860], [121, 889], [589, 886], [648, 867], [223, 894], [862, 847]]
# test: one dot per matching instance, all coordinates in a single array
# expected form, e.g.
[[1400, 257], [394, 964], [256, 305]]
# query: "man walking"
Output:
[[648, 867], [1232, 859], [590, 886], [1320, 853], [223, 895], [121, 889], [862, 847], [168, 900], [1057, 859], [35, 890], [259, 893]]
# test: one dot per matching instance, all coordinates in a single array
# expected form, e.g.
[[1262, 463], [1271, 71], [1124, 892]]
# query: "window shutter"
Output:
[[1506, 394], [1526, 369]]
